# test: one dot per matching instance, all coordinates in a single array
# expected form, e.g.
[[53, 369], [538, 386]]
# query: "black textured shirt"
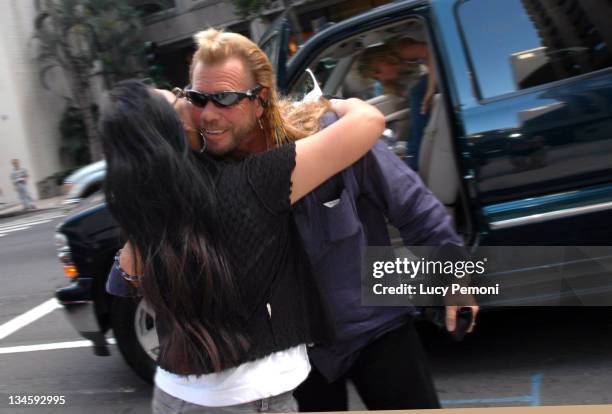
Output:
[[282, 303]]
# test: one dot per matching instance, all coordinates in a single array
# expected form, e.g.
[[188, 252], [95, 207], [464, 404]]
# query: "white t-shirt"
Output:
[[19, 176], [266, 377]]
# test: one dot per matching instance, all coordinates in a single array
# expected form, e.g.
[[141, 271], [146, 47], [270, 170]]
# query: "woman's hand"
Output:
[[128, 262], [338, 106], [183, 109], [342, 106]]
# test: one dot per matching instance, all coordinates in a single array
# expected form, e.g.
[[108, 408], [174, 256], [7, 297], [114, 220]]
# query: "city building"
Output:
[[30, 114], [575, 37], [172, 28]]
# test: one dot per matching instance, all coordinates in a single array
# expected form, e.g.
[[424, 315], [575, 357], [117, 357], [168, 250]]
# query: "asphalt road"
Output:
[[30, 273], [516, 358]]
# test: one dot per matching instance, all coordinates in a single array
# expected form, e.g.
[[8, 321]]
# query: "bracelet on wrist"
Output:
[[124, 274]]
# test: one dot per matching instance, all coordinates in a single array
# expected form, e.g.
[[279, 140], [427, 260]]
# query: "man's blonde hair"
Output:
[[282, 121]]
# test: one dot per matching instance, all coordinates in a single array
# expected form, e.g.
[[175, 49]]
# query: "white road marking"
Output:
[[24, 227], [51, 346], [52, 216], [26, 223], [3, 229], [35, 218], [27, 318]]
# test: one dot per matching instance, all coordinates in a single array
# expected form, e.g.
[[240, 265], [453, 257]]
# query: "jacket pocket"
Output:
[[339, 217]]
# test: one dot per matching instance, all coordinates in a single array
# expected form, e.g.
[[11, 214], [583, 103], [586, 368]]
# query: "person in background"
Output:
[[19, 177], [392, 64]]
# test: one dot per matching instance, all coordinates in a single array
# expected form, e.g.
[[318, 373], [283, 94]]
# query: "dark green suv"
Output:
[[518, 145]]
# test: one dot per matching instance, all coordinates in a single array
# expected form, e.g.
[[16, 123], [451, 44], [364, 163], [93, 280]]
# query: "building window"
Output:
[[518, 44], [148, 7]]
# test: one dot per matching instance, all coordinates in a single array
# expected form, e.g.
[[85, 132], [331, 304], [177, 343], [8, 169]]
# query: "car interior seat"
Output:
[[438, 165]]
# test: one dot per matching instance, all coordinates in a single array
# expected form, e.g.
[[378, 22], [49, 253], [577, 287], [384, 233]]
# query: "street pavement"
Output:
[[30, 273], [517, 357], [26, 221], [15, 209]]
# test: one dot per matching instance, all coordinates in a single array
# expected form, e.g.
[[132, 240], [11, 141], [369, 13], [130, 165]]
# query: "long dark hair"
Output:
[[163, 196]]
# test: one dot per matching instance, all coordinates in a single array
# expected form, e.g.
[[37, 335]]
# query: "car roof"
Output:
[[85, 171]]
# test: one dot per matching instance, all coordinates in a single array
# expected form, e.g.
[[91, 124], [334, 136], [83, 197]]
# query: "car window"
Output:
[[352, 68], [337, 67], [518, 44], [322, 71], [389, 66]]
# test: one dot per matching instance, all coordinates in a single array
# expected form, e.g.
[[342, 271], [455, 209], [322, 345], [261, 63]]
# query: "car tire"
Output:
[[134, 330]]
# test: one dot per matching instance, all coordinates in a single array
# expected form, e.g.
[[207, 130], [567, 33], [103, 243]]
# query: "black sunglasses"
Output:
[[220, 99]]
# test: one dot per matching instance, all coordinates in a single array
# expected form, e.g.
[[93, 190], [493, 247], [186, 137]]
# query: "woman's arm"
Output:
[[128, 262], [334, 148]]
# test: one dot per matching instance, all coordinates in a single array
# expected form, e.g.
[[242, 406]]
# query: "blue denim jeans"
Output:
[[24, 196], [418, 121], [164, 403]]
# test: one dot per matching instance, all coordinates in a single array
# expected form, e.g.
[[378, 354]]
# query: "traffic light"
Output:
[[154, 68]]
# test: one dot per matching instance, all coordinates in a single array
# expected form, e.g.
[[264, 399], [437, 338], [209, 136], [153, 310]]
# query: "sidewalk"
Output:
[[15, 209]]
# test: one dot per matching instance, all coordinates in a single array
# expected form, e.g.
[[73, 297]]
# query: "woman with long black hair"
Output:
[[219, 261]]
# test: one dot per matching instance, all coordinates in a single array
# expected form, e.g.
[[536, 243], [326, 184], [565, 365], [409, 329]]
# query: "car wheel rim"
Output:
[[144, 326]]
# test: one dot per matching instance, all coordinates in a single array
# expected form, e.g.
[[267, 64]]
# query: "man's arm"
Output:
[[401, 195], [409, 49], [409, 205], [431, 86]]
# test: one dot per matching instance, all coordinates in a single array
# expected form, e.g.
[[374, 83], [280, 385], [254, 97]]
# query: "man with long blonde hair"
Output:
[[235, 111], [227, 61]]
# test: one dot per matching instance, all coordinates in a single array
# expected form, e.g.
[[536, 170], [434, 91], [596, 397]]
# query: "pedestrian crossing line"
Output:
[[52, 215], [47, 347], [5, 232], [26, 223], [3, 229], [48, 216], [28, 317]]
